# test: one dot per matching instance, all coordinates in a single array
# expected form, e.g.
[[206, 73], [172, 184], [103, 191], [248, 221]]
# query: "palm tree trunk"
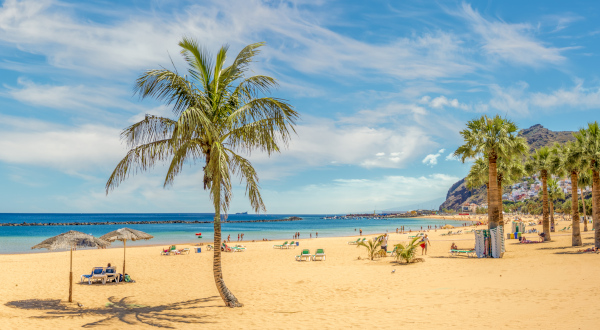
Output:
[[552, 228], [595, 203], [584, 215], [228, 297], [487, 187], [493, 216], [576, 238], [500, 215], [545, 221]]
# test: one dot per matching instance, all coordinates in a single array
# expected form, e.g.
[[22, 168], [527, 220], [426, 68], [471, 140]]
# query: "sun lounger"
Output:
[[354, 242], [280, 246], [238, 248], [305, 255], [226, 248], [457, 252], [320, 254], [292, 244], [111, 274], [98, 275], [95, 270], [184, 251]]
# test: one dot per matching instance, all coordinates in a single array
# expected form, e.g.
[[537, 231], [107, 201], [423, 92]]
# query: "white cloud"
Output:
[[73, 150], [431, 159], [136, 40], [452, 157], [513, 43], [360, 195]]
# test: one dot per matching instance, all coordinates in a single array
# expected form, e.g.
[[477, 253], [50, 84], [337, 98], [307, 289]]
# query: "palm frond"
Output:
[[139, 159], [150, 129]]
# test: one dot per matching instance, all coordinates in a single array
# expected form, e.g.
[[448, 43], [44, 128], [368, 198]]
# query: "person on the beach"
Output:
[[228, 238], [311, 235], [453, 246], [242, 236], [317, 234], [424, 242], [238, 237], [360, 231], [384, 241]]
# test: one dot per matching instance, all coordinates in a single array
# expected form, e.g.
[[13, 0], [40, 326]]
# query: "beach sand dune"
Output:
[[534, 286]]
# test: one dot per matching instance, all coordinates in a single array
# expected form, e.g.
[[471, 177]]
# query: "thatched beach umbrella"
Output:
[[71, 240], [125, 234]]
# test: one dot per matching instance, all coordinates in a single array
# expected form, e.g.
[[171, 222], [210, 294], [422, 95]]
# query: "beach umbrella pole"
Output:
[[71, 278], [124, 246]]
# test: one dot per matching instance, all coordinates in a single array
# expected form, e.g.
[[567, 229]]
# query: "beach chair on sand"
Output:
[[111, 274], [184, 251], [280, 246], [319, 254], [98, 275], [226, 248], [95, 271], [209, 247], [393, 252], [305, 255], [238, 248], [292, 244], [457, 252], [354, 242]]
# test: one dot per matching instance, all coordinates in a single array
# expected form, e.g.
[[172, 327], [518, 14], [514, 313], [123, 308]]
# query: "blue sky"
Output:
[[383, 88]]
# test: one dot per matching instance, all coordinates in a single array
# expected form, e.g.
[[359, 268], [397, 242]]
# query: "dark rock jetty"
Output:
[[26, 224]]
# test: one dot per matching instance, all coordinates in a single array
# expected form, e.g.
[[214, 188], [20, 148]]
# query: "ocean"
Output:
[[21, 239]]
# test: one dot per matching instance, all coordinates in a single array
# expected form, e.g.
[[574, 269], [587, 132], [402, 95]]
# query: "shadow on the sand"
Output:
[[124, 310], [562, 247]]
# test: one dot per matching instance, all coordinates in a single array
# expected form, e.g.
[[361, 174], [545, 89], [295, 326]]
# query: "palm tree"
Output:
[[216, 121], [554, 193], [494, 138], [407, 251], [508, 172], [589, 140], [584, 181], [540, 162], [371, 246], [567, 160]]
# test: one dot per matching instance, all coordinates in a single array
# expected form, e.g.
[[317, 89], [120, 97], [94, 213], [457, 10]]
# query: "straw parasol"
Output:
[[71, 240], [448, 227], [125, 234]]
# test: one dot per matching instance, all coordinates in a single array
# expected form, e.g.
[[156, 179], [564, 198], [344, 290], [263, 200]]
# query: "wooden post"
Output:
[[124, 246], [71, 278]]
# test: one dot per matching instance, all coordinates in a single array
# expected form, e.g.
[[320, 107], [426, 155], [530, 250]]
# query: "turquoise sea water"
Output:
[[21, 239]]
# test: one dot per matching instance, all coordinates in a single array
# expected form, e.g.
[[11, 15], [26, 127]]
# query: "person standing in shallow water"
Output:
[[317, 234], [360, 232]]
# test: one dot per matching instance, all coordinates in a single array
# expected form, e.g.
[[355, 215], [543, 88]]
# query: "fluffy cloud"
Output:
[[431, 159], [361, 195], [513, 43], [139, 40], [69, 149]]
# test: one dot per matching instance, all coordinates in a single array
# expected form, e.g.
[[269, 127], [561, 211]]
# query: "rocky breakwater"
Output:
[[104, 223]]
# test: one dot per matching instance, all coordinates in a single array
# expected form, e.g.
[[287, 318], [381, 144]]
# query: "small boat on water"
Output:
[[242, 213], [199, 235]]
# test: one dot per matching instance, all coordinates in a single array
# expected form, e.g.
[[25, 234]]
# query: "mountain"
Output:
[[537, 136], [428, 205]]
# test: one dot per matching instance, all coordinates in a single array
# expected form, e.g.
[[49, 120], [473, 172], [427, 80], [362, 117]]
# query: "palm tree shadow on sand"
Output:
[[124, 310]]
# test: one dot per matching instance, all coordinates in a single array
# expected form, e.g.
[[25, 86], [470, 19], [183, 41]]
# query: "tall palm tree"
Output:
[[584, 181], [494, 138], [567, 160], [554, 193], [508, 172], [540, 162], [589, 140], [221, 112]]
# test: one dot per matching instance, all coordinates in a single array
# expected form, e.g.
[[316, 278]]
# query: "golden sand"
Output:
[[534, 286]]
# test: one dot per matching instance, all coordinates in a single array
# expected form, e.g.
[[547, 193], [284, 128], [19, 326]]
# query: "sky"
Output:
[[383, 89]]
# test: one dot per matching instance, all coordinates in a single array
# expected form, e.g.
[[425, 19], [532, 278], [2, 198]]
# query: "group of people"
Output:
[[297, 235], [240, 238]]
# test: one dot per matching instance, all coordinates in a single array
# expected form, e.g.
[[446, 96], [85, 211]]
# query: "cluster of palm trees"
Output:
[[501, 157]]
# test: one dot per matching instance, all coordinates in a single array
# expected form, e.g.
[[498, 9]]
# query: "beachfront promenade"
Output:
[[532, 286]]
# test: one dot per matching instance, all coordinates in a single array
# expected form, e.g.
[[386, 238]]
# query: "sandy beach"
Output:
[[536, 286]]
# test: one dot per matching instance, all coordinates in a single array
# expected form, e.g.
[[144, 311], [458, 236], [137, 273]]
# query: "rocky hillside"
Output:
[[537, 136]]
